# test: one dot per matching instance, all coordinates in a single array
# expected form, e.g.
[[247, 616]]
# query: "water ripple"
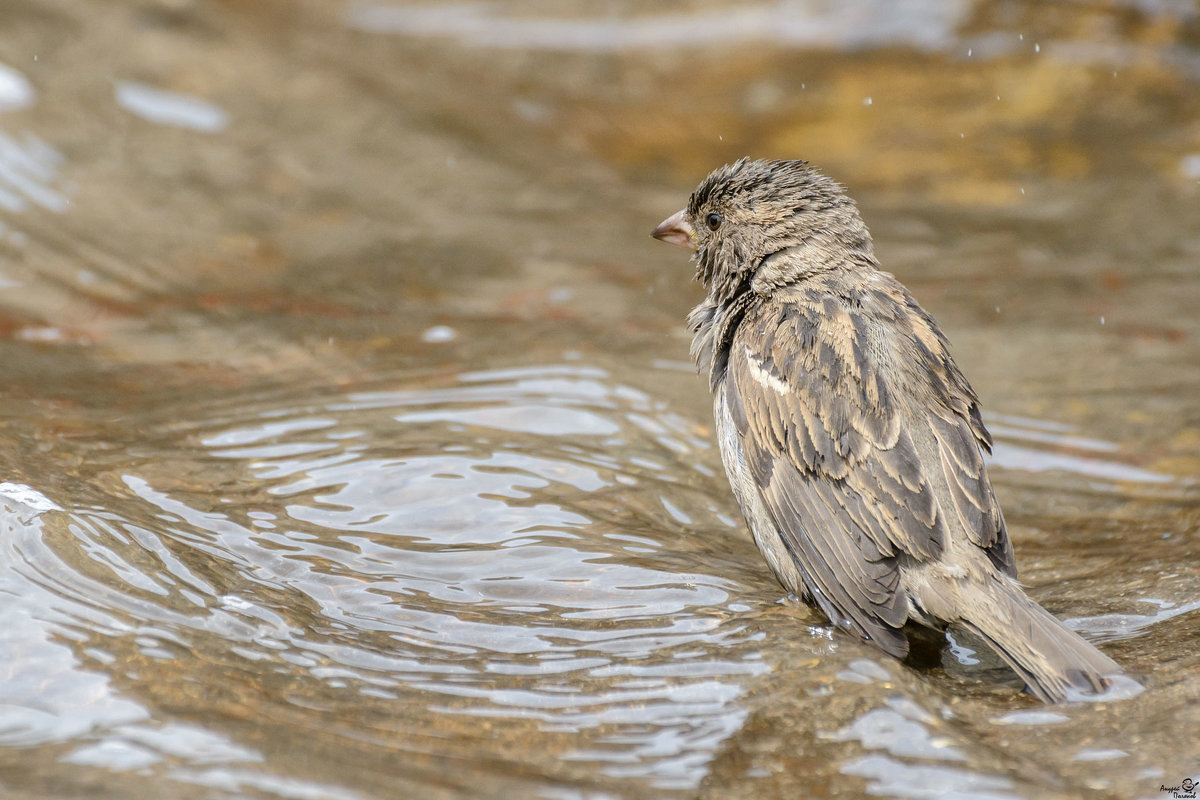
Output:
[[411, 545]]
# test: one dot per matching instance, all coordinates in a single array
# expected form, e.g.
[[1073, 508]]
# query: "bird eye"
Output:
[[713, 221]]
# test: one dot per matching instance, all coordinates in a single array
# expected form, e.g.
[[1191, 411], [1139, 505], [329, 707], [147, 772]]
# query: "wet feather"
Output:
[[852, 439]]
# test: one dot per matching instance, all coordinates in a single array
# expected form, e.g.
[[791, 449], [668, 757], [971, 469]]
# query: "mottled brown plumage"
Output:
[[851, 439]]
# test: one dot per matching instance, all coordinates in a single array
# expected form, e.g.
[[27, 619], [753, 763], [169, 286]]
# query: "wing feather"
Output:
[[827, 442]]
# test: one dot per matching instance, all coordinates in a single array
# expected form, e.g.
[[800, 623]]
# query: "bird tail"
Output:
[[1054, 661]]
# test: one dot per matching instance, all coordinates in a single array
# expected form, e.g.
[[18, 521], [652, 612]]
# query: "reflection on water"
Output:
[[469, 585], [380, 561], [1009, 455], [1114, 627], [910, 768], [890, 778], [436, 550], [28, 172], [169, 108], [351, 447], [15, 90], [44, 697], [848, 25]]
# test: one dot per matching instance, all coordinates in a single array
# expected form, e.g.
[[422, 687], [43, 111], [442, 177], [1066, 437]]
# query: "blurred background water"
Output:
[[349, 447]]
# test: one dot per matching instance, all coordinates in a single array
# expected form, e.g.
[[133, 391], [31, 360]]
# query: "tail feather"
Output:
[[1054, 661]]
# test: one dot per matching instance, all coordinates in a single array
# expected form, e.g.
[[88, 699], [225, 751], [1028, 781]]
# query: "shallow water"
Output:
[[351, 449]]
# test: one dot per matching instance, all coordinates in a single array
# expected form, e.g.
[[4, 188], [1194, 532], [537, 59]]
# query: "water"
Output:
[[350, 446]]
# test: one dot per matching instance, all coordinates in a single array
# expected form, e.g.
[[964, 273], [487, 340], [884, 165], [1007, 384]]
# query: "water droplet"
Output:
[[866, 101], [968, 52], [1037, 48]]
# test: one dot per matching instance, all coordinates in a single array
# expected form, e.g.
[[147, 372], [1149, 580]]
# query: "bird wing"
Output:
[[838, 467]]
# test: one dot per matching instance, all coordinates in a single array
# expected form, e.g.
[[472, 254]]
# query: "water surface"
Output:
[[351, 449]]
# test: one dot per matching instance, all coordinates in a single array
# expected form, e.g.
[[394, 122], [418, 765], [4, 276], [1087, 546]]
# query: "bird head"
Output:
[[758, 225]]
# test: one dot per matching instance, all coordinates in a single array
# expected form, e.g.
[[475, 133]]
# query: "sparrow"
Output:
[[852, 442]]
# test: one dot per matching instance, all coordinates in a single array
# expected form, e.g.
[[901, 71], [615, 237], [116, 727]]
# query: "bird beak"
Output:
[[676, 230]]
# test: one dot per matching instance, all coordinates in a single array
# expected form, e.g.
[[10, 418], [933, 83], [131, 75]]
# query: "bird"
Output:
[[852, 442]]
